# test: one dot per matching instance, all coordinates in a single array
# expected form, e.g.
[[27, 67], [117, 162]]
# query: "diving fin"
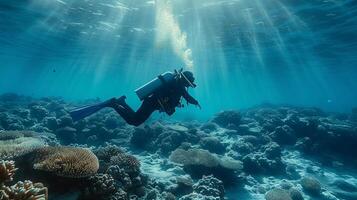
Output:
[[83, 112]]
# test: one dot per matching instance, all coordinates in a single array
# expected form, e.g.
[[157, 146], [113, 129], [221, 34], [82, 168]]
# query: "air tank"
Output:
[[152, 86]]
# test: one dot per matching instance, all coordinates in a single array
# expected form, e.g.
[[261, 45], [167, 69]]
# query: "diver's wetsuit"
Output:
[[165, 100]]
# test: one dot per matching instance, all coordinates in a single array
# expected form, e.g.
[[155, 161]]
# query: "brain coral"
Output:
[[66, 161], [20, 146]]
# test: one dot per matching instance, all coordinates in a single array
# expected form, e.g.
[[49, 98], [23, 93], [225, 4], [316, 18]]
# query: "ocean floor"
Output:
[[267, 152]]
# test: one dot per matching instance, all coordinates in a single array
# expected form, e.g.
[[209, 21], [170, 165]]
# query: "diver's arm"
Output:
[[190, 99]]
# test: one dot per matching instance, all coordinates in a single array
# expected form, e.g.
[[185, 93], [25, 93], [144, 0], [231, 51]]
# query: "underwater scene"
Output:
[[178, 100]]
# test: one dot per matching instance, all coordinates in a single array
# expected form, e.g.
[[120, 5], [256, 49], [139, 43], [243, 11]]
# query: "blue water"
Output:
[[244, 52]]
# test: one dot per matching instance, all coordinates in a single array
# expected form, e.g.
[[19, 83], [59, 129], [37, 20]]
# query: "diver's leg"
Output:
[[140, 116], [126, 114], [143, 113], [126, 106]]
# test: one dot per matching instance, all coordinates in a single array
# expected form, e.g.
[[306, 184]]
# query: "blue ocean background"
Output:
[[244, 52]]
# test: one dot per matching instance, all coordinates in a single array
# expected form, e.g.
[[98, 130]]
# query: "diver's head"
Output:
[[188, 79]]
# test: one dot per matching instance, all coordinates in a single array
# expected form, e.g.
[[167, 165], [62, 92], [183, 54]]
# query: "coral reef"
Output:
[[311, 185], [7, 171], [213, 145], [208, 187], [278, 194], [21, 190], [66, 161], [123, 168], [14, 144], [228, 119], [266, 152], [102, 186], [266, 160], [199, 162], [128, 163]]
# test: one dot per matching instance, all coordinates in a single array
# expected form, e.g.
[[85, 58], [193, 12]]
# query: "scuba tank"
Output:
[[155, 84]]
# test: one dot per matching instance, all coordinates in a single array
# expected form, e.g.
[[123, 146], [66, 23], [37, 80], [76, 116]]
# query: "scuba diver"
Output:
[[164, 94]]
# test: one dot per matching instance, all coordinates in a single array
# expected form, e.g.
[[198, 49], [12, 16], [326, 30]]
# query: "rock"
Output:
[[303, 127], [285, 185], [177, 127], [51, 123], [120, 176], [295, 194], [267, 160], [209, 127], [242, 147], [170, 140], [102, 134], [227, 118], [311, 185], [67, 135], [213, 145], [199, 162], [169, 196], [254, 140], [210, 186], [183, 186], [344, 189], [304, 144], [195, 196], [292, 173], [112, 122], [127, 162], [207, 188], [272, 150], [277, 194], [152, 195], [102, 186], [344, 185], [283, 135], [38, 112], [65, 121], [142, 137]]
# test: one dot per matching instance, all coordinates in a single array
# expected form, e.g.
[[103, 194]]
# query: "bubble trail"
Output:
[[168, 30]]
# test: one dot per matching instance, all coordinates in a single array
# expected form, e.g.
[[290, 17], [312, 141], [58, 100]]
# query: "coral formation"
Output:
[[102, 186], [311, 185], [277, 194], [15, 144], [66, 161], [267, 149], [208, 187], [128, 163], [213, 145], [7, 171], [228, 119], [199, 162], [21, 190]]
